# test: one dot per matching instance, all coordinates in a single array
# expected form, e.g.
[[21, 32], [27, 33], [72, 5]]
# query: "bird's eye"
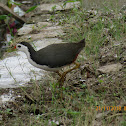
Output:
[[19, 46]]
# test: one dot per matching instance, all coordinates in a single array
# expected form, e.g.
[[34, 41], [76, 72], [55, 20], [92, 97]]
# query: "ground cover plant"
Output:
[[93, 99]]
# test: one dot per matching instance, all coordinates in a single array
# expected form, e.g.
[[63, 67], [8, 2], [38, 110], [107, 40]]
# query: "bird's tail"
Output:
[[82, 42]]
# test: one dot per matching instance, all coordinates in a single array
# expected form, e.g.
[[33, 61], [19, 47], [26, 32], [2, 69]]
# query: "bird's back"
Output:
[[58, 55]]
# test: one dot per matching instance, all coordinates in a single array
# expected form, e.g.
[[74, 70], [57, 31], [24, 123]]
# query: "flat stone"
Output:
[[110, 68], [42, 24], [57, 7], [46, 41], [43, 30], [47, 32], [26, 29], [39, 18]]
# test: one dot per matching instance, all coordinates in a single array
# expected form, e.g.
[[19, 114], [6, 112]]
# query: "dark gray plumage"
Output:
[[56, 55]]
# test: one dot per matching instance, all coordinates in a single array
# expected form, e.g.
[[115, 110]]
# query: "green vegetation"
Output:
[[99, 27], [100, 100]]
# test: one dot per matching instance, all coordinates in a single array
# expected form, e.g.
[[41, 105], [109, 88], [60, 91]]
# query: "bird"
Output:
[[53, 57]]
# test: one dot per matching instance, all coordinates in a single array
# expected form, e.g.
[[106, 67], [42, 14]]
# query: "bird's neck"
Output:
[[31, 52]]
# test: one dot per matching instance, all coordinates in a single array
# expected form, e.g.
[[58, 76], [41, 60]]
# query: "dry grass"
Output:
[[98, 101]]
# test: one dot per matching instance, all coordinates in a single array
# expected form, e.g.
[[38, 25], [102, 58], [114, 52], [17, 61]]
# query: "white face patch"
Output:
[[22, 48]]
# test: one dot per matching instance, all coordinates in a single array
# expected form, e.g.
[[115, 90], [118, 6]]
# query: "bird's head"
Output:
[[22, 47]]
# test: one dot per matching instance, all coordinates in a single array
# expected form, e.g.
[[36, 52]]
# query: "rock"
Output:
[[57, 7], [38, 18], [108, 58], [4, 2], [42, 24], [27, 28], [46, 41], [110, 68], [43, 32]]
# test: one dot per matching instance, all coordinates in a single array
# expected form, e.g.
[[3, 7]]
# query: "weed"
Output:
[[91, 24], [40, 104]]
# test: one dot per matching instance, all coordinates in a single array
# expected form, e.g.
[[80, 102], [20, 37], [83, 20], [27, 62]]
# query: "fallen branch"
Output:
[[14, 15]]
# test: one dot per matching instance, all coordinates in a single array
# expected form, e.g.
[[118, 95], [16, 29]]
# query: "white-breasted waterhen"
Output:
[[53, 57]]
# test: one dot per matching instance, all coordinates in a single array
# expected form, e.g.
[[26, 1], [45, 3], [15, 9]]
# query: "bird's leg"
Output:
[[59, 73], [61, 82], [62, 78], [60, 85], [75, 67]]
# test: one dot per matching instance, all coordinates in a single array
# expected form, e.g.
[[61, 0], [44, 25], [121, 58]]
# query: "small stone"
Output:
[[26, 29], [110, 68]]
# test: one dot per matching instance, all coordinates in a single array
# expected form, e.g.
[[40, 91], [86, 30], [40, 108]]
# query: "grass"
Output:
[[97, 101], [98, 29]]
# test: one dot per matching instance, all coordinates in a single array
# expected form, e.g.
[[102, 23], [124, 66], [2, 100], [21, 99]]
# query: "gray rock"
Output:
[[47, 32], [110, 68], [57, 7], [26, 29], [42, 24]]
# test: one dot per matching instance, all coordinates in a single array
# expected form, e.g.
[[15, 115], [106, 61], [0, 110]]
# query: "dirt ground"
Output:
[[42, 102]]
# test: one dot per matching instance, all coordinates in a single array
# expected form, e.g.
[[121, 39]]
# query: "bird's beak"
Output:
[[14, 47]]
